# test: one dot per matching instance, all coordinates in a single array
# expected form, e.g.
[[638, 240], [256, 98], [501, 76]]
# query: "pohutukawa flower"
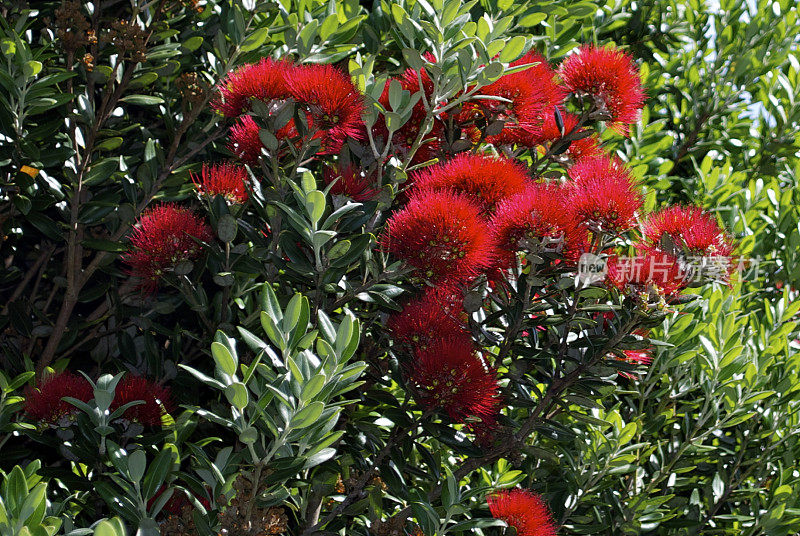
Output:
[[164, 237], [441, 235], [485, 179], [44, 402], [532, 94], [265, 80], [690, 229], [587, 147], [351, 182], [604, 194], [333, 102], [227, 180], [649, 270], [157, 400], [450, 376], [437, 314], [244, 141], [611, 78], [536, 220], [523, 510]]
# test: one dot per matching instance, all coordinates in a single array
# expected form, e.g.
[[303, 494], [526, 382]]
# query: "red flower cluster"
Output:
[[610, 77], [604, 194], [531, 94], [523, 510], [44, 402], [227, 180], [442, 236], [450, 375], [351, 182], [690, 229], [164, 236], [332, 104], [535, 219], [484, 179], [438, 313], [157, 400]]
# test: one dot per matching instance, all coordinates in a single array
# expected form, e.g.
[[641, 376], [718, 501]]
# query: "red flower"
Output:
[[533, 94], [485, 179], [537, 214], [437, 314], [442, 235], [587, 147], [333, 102], [227, 180], [690, 229], [157, 400], [351, 182], [44, 403], [610, 76], [651, 269], [243, 140], [450, 376], [164, 236], [265, 80], [604, 194], [523, 510]]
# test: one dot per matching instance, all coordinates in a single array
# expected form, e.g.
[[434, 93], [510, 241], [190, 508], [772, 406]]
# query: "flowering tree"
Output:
[[434, 268]]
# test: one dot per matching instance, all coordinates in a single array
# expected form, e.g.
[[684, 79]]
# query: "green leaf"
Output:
[[143, 100], [223, 358], [313, 387], [308, 415], [193, 43], [315, 206], [513, 49], [226, 228], [32, 68], [137, 463], [255, 39], [237, 395]]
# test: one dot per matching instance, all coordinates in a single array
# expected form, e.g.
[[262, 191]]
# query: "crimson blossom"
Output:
[[604, 194], [226, 179], [523, 510], [611, 78], [689, 227], [450, 376], [537, 214], [437, 314], [485, 179], [157, 400], [351, 182], [332, 101], [164, 236], [529, 94], [265, 80], [44, 402], [441, 235]]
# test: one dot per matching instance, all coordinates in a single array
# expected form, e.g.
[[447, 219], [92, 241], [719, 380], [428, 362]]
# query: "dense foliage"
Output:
[[306, 267]]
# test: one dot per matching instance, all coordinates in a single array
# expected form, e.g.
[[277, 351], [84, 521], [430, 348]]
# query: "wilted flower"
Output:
[[485, 179], [450, 376], [609, 76], [227, 180], [44, 402], [351, 182], [523, 510], [157, 400], [164, 237], [604, 194], [442, 235]]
